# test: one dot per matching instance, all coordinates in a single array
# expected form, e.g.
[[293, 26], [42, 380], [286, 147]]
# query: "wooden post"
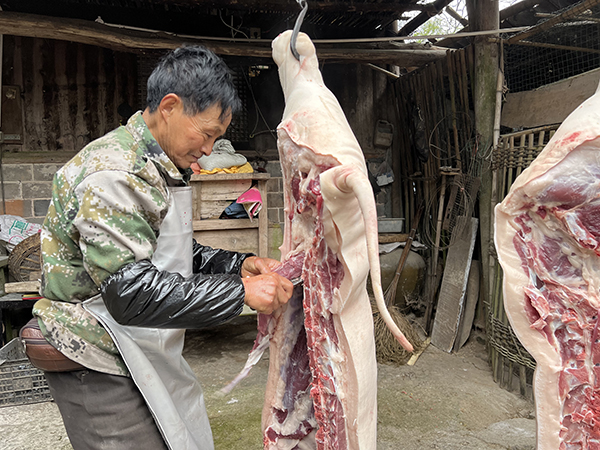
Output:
[[484, 15]]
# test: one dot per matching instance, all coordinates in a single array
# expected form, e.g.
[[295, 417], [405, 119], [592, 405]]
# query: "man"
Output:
[[121, 279]]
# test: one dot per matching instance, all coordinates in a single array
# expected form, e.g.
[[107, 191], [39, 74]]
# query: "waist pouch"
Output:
[[41, 353]]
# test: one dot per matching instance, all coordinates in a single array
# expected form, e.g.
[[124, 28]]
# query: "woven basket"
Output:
[[24, 262]]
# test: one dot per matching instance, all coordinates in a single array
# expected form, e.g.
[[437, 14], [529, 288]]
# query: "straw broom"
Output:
[[388, 348]]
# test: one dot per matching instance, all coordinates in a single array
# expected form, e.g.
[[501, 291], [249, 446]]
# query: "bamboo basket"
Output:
[[512, 365], [24, 262]]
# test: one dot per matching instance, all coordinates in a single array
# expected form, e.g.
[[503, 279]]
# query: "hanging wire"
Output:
[[259, 113], [304, 5], [237, 30]]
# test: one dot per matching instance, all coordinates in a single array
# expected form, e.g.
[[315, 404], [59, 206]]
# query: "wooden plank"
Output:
[[413, 359], [387, 238], [239, 240], [23, 286], [103, 104], [37, 137], [231, 176], [549, 104], [63, 113], [210, 210], [51, 124], [92, 92], [81, 131], [69, 132], [224, 224], [222, 190], [453, 289], [12, 115], [472, 296]]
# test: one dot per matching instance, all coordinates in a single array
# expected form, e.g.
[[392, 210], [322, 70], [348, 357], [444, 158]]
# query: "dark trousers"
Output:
[[102, 411]]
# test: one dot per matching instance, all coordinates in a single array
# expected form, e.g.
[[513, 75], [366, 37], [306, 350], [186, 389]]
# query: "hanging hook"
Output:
[[304, 5]]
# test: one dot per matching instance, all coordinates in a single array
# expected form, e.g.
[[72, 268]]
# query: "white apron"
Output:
[[154, 356]]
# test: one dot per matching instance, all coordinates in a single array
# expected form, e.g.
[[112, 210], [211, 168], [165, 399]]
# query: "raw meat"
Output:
[[322, 385], [548, 241]]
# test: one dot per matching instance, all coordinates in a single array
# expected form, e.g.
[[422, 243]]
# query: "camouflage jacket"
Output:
[[107, 206]]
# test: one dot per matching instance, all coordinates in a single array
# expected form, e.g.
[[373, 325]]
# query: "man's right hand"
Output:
[[267, 292]]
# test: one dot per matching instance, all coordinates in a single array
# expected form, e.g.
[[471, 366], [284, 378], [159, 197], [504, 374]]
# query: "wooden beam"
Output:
[[484, 15], [506, 13], [553, 46], [22, 286], [456, 16], [128, 40], [398, 57], [115, 38], [437, 6], [340, 6]]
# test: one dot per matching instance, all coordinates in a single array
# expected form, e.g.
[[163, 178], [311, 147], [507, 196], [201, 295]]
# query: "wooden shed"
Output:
[[72, 70]]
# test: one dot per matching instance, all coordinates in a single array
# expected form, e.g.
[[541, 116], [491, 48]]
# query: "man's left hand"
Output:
[[254, 265]]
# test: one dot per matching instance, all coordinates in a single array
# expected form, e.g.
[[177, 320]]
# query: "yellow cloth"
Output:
[[244, 168]]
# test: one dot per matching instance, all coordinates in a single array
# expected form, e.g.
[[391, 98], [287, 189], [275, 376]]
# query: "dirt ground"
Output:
[[444, 401]]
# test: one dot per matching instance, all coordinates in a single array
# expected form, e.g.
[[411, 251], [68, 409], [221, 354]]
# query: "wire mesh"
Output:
[[563, 44]]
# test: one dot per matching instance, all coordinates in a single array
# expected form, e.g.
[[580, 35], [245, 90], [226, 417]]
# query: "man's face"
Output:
[[187, 138]]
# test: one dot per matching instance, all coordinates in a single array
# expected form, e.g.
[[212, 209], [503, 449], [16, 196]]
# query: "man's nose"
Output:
[[208, 146]]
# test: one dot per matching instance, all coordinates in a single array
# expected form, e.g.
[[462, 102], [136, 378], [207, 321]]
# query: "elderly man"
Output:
[[122, 277]]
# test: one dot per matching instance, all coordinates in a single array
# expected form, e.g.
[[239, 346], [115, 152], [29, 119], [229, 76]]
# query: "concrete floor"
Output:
[[445, 401]]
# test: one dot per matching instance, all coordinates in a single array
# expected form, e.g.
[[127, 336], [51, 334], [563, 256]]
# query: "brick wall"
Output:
[[275, 193], [27, 190]]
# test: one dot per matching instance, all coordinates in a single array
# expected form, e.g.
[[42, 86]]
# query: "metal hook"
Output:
[[304, 5]]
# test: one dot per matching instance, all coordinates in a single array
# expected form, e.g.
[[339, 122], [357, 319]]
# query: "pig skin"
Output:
[[546, 239], [331, 223]]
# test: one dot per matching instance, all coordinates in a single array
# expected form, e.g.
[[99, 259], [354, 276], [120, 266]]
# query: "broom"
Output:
[[388, 348]]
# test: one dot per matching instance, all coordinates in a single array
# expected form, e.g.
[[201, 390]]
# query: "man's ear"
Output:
[[169, 105]]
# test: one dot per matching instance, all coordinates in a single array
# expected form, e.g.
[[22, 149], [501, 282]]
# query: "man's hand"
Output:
[[254, 265], [266, 291]]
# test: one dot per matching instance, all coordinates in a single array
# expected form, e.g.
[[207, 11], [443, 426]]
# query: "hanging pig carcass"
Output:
[[548, 241], [322, 384]]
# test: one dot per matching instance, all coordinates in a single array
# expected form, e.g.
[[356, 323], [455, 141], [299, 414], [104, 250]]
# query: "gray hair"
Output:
[[198, 76]]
